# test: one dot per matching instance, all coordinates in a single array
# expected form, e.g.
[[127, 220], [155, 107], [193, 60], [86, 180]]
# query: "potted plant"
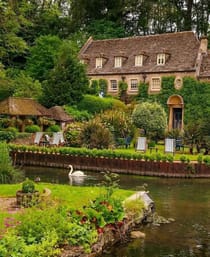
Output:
[[28, 195]]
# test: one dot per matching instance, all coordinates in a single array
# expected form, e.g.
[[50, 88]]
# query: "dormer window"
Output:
[[161, 59], [99, 63], [118, 62], [139, 60]]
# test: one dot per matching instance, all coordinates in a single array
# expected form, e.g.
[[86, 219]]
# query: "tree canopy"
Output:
[[150, 117], [32, 32]]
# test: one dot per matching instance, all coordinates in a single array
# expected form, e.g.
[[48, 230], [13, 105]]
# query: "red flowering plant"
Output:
[[105, 209]]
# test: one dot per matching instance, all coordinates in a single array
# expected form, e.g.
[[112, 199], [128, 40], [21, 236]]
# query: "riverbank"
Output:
[[118, 165]]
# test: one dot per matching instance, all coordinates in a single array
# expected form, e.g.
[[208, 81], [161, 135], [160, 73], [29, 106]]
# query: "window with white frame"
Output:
[[139, 60], [155, 84], [113, 85], [134, 85], [161, 58], [99, 62], [118, 62]]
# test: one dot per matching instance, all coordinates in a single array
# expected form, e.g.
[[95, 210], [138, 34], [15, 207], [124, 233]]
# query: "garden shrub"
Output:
[[96, 135], [7, 135], [32, 128], [95, 104], [8, 174], [28, 186], [73, 133], [77, 115], [53, 128]]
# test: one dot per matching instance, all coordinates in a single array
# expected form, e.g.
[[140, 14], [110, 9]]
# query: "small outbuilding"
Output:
[[20, 109], [60, 116]]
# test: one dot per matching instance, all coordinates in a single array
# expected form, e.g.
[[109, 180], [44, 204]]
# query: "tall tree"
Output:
[[12, 46], [42, 56], [67, 81]]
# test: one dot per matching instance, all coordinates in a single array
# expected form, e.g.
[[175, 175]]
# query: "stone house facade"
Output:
[[148, 59]]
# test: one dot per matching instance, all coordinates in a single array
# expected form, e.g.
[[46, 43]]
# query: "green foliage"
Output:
[[53, 128], [94, 88], [103, 86], [73, 134], [95, 135], [43, 56], [7, 135], [95, 104], [110, 182], [150, 117], [134, 207], [77, 114], [28, 186], [193, 93], [32, 128], [67, 82], [123, 86], [25, 86], [8, 174], [104, 29], [118, 122]]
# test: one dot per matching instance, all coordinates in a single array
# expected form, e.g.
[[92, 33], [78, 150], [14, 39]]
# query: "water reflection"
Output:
[[185, 200]]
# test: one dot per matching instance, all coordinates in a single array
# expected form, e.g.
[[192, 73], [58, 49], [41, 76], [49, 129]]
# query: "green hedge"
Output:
[[107, 153]]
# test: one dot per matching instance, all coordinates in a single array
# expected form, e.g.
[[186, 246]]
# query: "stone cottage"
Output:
[[148, 59]]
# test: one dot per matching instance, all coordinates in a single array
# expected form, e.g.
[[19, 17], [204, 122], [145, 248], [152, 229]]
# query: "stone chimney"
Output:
[[203, 44]]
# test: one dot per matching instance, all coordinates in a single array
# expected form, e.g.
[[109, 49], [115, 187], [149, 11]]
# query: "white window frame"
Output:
[[113, 85], [161, 59], [155, 84], [118, 62], [139, 60], [134, 85], [99, 62]]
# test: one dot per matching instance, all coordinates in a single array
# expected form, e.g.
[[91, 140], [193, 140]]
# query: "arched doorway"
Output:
[[176, 112]]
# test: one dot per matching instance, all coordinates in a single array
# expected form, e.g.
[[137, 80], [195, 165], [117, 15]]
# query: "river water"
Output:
[[185, 200]]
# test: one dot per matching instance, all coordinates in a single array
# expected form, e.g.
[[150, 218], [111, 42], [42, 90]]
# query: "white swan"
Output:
[[76, 173]]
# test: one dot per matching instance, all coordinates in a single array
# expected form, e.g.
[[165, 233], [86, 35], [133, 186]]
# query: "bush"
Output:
[[32, 128], [76, 114], [95, 135], [8, 174], [73, 134], [7, 135], [53, 128], [28, 186], [95, 104]]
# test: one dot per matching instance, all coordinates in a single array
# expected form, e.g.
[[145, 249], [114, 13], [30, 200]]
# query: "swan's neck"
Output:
[[71, 170]]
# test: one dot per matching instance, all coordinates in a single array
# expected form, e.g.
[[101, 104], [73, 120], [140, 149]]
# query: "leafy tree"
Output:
[[104, 29], [43, 56], [12, 46], [25, 86], [6, 84], [150, 117], [67, 82]]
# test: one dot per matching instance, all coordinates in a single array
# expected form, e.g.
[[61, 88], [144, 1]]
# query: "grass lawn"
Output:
[[72, 196]]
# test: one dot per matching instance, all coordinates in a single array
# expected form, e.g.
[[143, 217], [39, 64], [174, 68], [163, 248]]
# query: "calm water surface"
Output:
[[185, 200]]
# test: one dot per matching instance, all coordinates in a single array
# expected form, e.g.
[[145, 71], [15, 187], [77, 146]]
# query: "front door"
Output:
[[177, 118]]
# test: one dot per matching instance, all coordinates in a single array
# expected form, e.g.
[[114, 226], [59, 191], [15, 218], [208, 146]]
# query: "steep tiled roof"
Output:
[[181, 49], [205, 66], [22, 107]]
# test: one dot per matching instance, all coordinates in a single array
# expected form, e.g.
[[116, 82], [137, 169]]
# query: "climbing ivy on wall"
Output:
[[196, 96]]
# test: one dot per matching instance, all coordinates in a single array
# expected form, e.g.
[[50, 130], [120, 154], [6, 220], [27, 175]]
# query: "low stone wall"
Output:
[[139, 167]]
